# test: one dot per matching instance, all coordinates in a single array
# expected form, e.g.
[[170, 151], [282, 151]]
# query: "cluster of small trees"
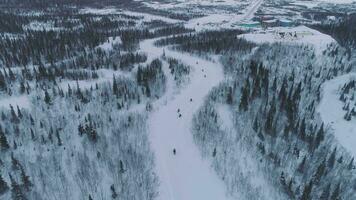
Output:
[[179, 71], [152, 79], [347, 96]]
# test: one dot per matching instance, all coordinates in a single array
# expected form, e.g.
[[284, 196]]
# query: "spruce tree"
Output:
[[3, 186], [326, 193], [307, 191], [332, 158], [26, 183], [4, 145], [16, 191], [336, 193], [47, 98]]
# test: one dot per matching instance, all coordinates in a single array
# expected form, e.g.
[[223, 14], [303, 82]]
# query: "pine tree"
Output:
[[307, 191], [19, 114], [3, 84], [319, 172], [122, 170], [332, 158], [302, 128], [319, 136], [14, 117], [351, 164], [282, 179], [22, 87], [4, 145], [113, 192], [326, 193], [255, 124], [3, 186], [336, 193], [301, 166], [59, 141], [243, 106], [229, 99], [16, 192], [26, 183], [115, 87], [47, 98], [15, 163]]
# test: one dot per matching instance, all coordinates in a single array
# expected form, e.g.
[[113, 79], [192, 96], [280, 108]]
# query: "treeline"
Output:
[[11, 23], [343, 31], [208, 41], [54, 3], [131, 37], [347, 96], [48, 46]]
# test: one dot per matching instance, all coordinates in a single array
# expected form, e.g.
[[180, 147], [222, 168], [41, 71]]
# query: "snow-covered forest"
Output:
[[173, 100]]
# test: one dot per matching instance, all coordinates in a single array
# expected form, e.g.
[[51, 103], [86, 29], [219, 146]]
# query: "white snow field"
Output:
[[294, 35], [21, 101], [184, 176], [338, 1], [330, 110], [224, 20]]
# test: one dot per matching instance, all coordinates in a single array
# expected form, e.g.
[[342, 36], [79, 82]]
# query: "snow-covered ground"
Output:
[[99, 11], [225, 20], [149, 17], [21, 101], [184, 175], [338, 1], [110, 10], [105, 75], [295, 35], [330, 110], [183, 3], [108, 45]]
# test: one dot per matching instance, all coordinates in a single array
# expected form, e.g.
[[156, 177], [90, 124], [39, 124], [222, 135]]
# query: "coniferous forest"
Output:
[[136, 100]]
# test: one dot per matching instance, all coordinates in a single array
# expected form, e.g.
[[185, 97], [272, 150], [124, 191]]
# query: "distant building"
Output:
[[285, 23], [270, 23], [250, 24]]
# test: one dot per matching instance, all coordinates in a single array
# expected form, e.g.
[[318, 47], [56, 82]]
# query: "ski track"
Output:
[[184, 176]]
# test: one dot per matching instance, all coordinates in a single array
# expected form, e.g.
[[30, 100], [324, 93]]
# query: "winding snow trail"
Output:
[[184, 176]]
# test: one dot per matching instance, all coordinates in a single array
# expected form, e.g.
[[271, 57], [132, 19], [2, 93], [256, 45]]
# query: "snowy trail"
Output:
[[252, 9], [330, 110], [184, 176]]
